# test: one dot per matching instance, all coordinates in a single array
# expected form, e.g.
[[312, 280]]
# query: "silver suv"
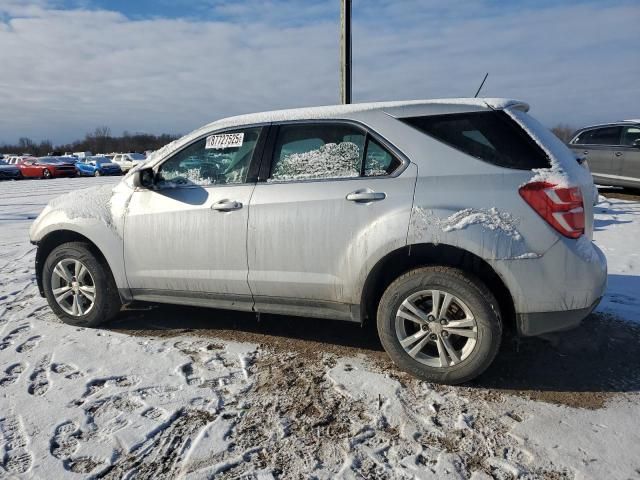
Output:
[[612, 151], [445, 222]]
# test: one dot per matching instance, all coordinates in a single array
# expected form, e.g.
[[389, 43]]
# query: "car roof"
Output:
[[333, 111], [396, 109], [609, 124]]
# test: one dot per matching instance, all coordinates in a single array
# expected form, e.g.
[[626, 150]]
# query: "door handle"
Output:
[[226, 205], [618, 154], [366, 196]]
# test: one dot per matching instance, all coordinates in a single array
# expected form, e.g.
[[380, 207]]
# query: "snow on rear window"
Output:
[[332, 160], [564, 169]]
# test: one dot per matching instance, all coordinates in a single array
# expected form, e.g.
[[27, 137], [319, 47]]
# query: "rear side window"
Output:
[[305, 152], [600, 136], [490, 136], [379, 161], [326, 151]]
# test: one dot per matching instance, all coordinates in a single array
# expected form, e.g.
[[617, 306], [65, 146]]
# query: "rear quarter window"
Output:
[[490, 136]]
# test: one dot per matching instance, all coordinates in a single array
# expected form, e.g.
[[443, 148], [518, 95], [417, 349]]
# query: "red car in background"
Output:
[[46, 167]]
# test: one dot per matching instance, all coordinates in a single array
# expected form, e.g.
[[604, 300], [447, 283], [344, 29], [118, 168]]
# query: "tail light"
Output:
[[561, 207]]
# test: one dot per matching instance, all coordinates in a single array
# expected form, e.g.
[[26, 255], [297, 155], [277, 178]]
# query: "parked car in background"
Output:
[[97, 166], [612, 151], [46, 167], [16, 159], [82, 154], [127, 161], [442, 222], [9, 172]]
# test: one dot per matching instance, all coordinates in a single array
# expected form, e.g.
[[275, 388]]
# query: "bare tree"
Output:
[[563, 131], [26, 145], [101, 136]]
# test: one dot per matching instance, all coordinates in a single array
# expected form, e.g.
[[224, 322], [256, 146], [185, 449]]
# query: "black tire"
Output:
[[96, 173], [107, 302], [46, 173], [467, 288]]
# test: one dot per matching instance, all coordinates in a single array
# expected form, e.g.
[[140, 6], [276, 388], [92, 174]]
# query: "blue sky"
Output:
[[67, 66]]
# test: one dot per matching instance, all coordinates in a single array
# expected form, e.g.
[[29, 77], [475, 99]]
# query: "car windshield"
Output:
[[2, 162], [137, 156], [101, 161]]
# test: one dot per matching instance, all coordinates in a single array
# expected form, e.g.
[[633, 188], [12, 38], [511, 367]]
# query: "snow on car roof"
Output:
[[332, 111]]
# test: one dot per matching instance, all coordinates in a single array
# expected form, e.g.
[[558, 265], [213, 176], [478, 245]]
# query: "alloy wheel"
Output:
[[73, 287], [436, 328]]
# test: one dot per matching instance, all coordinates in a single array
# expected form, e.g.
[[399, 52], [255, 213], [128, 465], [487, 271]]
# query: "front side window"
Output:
[[631, 136], [490, 136], [600, 136], [219, 159]]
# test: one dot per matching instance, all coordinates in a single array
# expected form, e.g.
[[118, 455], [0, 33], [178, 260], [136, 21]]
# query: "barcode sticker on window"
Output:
[[227, 140]]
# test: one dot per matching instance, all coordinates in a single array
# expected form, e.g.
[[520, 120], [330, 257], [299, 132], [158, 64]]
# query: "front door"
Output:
[[335, 199], [186, 237]]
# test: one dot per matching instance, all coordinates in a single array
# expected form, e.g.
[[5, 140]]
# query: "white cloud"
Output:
[[63, 72]]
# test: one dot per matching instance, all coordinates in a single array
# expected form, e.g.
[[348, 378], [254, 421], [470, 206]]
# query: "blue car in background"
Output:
[[96, 167], [11, 172]]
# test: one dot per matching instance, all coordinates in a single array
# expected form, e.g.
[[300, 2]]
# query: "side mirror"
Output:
[[143, 178]]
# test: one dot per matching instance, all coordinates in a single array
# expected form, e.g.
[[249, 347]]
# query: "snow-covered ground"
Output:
[[177, 392]]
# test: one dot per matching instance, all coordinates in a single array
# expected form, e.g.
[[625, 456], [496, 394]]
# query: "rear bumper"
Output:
[[532, 324], [557, 290]]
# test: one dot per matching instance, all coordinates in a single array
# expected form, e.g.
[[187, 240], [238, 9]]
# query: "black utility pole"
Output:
[[345, 51]]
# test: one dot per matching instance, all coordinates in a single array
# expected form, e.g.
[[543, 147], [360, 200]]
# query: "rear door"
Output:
[[333, 199], [629, 152], [186, 239], [597, 146]]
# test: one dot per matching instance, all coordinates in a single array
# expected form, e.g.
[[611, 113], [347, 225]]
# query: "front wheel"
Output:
[[440, 324], [46, 173], [79, 287], [96, 173]]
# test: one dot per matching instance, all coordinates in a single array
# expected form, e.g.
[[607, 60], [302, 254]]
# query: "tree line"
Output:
[[99, 141]]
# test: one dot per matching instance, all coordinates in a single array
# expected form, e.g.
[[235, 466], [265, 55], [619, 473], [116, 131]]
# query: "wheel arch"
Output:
[[406, 258], [56, 238]]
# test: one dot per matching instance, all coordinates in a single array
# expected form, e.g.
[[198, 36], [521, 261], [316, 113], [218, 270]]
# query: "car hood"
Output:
[[8, 167], [103, 204]]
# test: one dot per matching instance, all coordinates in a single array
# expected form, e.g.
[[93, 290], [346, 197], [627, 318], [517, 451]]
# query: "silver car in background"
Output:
[[444, 223], [612, 151]]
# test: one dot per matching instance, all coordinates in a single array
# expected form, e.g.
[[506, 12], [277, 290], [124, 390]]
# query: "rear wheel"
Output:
[[96, 173], [440, 324], [79, 287], [46, 173]]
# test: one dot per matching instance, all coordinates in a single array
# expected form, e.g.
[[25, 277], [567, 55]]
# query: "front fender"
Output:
[[94, 213]]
